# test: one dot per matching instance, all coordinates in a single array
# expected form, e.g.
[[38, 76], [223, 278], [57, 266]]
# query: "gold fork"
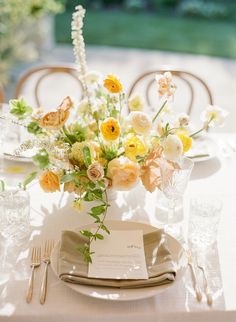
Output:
[[194, 276], [35, 262], [46, 259]]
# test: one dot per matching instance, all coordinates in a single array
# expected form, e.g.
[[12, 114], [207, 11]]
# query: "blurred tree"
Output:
[[159, 4], [16, 27], [135, 5]]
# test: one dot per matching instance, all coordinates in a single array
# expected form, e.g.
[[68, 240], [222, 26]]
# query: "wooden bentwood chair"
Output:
[[39, 74], [147, 81]]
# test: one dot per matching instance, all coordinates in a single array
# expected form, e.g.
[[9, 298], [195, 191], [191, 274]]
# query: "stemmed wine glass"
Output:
[[174, 180]]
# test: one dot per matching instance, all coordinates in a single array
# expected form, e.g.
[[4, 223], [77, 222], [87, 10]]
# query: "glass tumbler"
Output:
[[14, 214], [204, 217]]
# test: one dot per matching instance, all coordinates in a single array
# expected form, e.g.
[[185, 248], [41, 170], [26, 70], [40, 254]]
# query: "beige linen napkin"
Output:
[[160, 266]]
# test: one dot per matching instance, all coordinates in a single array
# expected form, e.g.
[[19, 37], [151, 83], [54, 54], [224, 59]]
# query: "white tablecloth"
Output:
[[51, 213]]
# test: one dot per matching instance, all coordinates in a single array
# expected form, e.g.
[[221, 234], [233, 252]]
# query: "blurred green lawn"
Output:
[[143, 30]]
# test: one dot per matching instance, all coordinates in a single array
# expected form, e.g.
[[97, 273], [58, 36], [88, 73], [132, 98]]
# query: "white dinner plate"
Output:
[[203, 145], [25, 156], [115, 294], [17, 158]]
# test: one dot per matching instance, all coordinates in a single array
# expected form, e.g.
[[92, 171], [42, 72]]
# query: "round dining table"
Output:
[[51, 213]]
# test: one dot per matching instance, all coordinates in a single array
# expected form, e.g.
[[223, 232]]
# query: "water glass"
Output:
[[204, 217], [14, 214]]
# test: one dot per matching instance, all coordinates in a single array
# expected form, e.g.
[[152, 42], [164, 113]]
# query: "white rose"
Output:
[[172, 147], [140, 122], [214, 115]]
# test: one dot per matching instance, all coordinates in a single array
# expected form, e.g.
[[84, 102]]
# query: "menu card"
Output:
[[119, 255]]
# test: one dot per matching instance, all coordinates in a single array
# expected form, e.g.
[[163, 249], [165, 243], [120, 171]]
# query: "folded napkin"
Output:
[[160, 266]]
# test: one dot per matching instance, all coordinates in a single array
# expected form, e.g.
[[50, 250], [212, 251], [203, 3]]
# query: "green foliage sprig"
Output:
[[93, 192], [41, 159], [20, 109], [99, 214]]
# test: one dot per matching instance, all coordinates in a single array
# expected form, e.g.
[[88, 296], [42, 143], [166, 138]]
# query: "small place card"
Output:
[[119, 255]]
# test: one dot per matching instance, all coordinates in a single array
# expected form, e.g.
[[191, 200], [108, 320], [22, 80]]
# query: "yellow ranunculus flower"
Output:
[[112, 84], [134, 146], [49, 181], [110, 129], [185, 139]]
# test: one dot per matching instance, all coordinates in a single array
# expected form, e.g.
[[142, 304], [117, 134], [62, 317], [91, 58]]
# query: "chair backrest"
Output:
[[146, 85], [42, 84], [2, 95]]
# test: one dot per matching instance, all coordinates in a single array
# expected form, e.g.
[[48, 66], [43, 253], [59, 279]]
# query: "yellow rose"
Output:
[[110, 129], [112, 84], [185, 139], [123, 173], [134, 147], [49, 181], [56, 119]]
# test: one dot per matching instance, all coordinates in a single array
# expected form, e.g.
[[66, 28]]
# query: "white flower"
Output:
[[140, 122], [214, 115], [165, 85], [95, 171], [83, 106], [183, 119], [168, 76], [78, 41], [172, 147], [136, 103], [92, 77]]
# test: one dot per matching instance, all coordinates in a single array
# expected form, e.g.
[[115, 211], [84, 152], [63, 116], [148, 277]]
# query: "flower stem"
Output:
[[197, 132], [159, 112], [101, 223], [203, 128]]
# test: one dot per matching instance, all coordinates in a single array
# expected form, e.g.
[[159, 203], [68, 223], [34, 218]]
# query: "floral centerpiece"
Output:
[[91, 147]]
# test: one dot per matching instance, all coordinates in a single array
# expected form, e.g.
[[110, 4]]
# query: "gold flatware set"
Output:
[[197, 289], [36, 261]]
